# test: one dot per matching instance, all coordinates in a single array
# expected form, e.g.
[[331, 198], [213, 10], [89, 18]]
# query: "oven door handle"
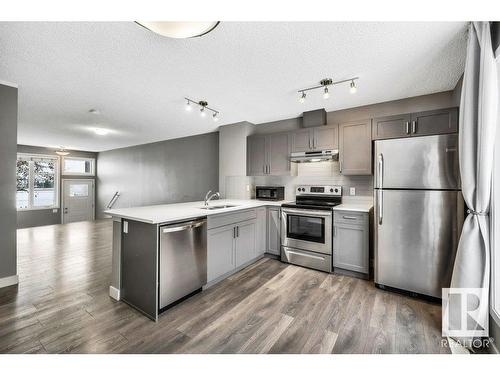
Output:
[[305, 255], [307, 213]]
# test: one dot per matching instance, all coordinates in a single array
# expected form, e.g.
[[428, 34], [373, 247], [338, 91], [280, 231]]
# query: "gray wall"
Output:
[[34, 218], [429, 102], [177, 170], [8, 140]]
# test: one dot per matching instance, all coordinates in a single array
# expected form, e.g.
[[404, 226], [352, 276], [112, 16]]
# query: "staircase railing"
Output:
[[113, 200]]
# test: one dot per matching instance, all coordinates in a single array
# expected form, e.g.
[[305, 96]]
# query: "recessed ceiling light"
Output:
[[179, 30], [101, 131]]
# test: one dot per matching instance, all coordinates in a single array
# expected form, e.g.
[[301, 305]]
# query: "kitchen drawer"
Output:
[[215, 221], [350, 217]]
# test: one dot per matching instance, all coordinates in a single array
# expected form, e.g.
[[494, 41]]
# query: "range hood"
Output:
[[314, 156]]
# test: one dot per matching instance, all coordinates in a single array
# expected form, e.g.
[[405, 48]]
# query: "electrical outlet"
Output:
[[248, 188], [352, 191]]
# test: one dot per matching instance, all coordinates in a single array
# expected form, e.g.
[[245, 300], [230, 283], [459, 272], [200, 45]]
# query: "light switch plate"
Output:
[[352, 191], [54, 210], [248, 188], [125, 227]]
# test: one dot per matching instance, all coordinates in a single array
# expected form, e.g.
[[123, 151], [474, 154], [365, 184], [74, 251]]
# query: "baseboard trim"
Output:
[[9, 280], [114, 293]]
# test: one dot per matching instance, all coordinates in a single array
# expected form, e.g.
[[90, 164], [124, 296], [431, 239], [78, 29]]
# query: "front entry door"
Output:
[[78, 200]]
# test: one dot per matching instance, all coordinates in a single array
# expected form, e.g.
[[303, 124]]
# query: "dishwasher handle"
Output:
[[184, 226]]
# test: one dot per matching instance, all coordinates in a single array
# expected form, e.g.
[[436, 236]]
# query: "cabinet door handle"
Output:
[[237, 231], [340, 166], [407, 123], [414, 127], [334, 231], [349, 217]]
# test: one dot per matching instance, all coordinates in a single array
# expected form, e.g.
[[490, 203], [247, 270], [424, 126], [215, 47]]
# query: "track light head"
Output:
[[326, 94], [215, 117], [188, 106], [353, 88], [302, 98], [202, 112]]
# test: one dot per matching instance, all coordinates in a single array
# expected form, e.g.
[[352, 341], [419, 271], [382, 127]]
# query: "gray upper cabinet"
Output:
[[268, 154], [441, 121], [318, 138], [302, 140], [256, 155], [326, 137], [279, 154], [391, 126], [355, 148]]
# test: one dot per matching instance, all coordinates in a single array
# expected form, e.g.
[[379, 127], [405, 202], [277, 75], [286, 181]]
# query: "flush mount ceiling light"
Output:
[[324, 84], [101, 131], [203, 108], [179, 30], [62, 152]]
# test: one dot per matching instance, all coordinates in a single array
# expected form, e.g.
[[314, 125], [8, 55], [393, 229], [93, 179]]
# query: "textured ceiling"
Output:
[[249, 71]]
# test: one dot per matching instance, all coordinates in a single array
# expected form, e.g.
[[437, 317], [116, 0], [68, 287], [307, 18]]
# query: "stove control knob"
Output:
[[336, 190], [331, 190], [298, 189], [303, 189]]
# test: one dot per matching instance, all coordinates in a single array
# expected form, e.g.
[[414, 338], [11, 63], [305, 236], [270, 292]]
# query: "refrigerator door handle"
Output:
[[380, 206], [380, 170]]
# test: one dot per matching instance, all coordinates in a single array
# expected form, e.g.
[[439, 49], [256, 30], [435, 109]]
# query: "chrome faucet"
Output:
[[209, 197]]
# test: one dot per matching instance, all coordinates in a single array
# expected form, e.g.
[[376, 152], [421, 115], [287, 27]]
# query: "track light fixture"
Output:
[[324, 83], [203, 108], [353, 88], [302, 98]]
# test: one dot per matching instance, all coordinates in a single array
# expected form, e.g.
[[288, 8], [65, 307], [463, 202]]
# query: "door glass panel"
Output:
[[78, 190], [22, 195], [306, 228], [44, 191]]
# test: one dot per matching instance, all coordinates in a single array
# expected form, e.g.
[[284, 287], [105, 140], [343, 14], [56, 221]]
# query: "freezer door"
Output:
[[429, 162], [416, 237]]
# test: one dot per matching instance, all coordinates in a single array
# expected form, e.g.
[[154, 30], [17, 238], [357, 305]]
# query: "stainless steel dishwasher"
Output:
[[183, 260]]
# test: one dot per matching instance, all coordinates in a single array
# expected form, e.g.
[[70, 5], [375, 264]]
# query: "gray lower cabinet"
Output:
[[318, 138], [220, 252], [261, 231], [268, 154], [273, 231], [351, 241], [244, 244], [229, 247], [355, 148]]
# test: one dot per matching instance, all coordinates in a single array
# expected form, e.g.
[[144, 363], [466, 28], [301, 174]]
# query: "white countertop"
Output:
[[165, 213], [351, 206], [183, 211]]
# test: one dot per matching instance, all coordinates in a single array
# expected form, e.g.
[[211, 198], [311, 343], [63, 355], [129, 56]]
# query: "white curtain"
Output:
[[477, 129]]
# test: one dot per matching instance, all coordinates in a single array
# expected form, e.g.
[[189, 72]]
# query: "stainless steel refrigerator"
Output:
[[419, 212]]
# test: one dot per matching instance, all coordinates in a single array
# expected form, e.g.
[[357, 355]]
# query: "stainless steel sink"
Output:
[[218, 207]]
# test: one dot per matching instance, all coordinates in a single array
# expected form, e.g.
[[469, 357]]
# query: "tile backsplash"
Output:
[[321, 173]]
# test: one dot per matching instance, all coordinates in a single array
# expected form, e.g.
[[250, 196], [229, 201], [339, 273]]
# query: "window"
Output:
[[37, 182], [78, 166]]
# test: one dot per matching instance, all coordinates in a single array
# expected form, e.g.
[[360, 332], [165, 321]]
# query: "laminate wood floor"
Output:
[[61, 305]]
